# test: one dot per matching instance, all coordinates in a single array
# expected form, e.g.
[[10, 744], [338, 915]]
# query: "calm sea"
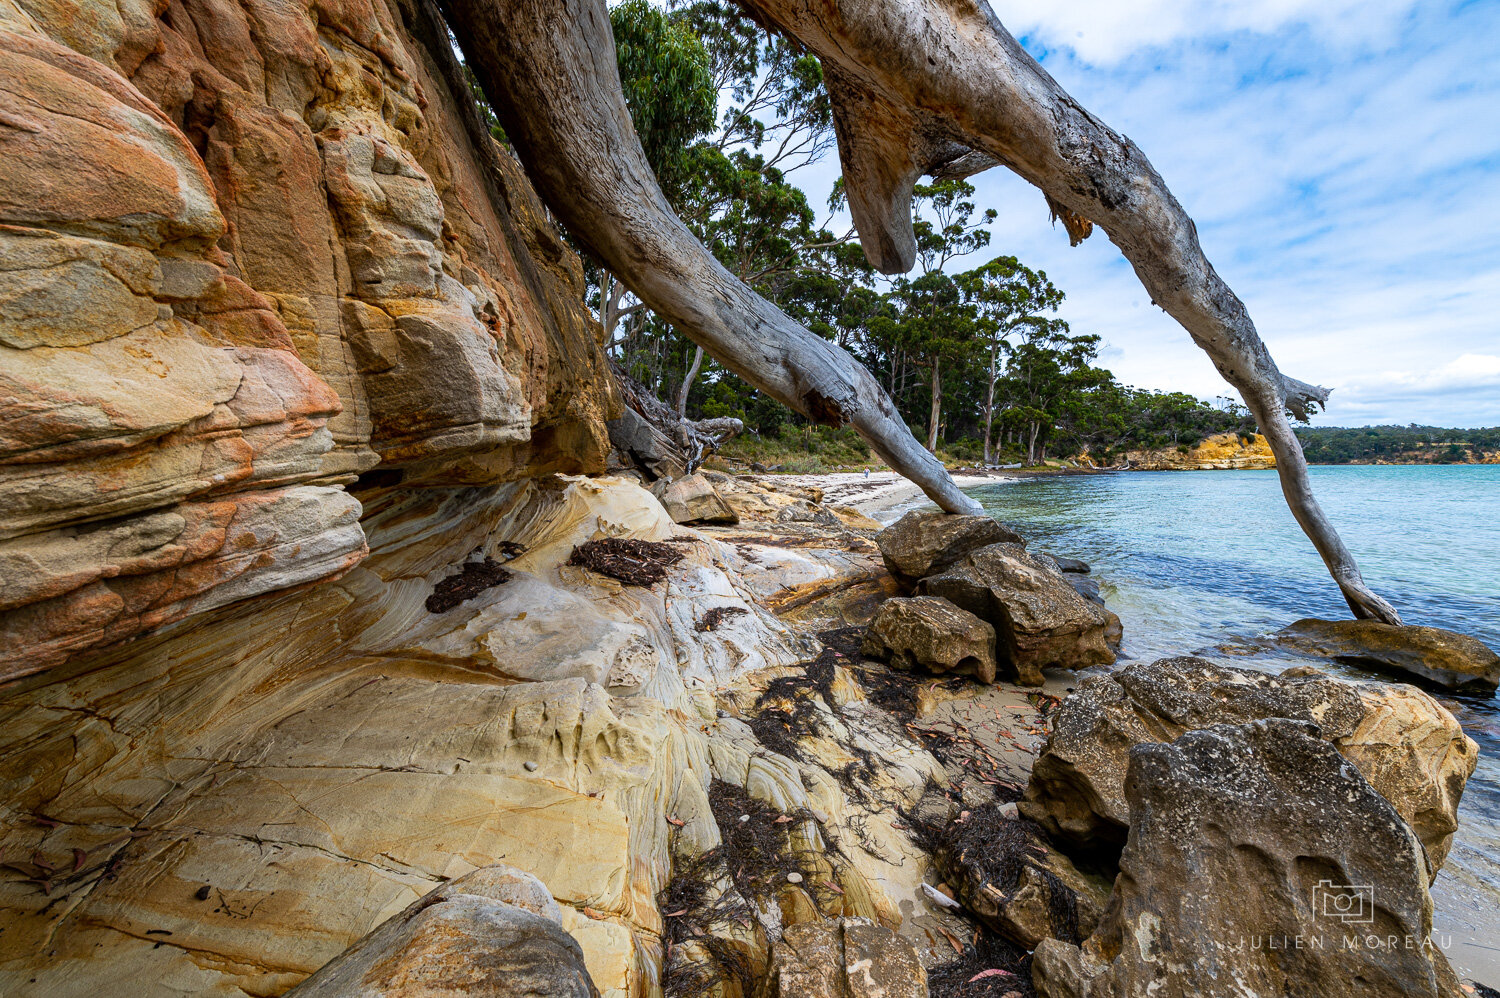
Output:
[[1212, 563]]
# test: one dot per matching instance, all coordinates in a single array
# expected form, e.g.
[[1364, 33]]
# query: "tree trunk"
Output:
[[548, 68], [937, 407], [687, 381], [911, 80], [989, 405]]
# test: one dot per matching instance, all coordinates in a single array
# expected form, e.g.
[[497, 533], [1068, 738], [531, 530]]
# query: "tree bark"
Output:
[[919, 77], [548, 68], [687, 381], [936, 412]]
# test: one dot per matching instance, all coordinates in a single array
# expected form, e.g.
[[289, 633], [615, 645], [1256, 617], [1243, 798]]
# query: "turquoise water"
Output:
[[1212, 563]]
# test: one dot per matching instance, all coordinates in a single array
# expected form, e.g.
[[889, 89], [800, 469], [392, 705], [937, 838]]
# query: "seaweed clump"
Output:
[[965, 975], [715, 618], [634, 562], [746, 873], [475, 578]]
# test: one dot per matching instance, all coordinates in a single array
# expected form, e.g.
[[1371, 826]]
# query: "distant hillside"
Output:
[[1399, 445]]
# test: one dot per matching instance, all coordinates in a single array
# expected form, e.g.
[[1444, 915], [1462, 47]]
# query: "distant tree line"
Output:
[[1411, 444]]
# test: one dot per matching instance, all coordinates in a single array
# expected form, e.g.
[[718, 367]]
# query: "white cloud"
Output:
[[1103, 32]]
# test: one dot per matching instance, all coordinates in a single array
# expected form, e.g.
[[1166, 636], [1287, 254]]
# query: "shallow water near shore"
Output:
[[1212, 563]]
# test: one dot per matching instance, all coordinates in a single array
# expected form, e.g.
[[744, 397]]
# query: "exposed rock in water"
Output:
[[493, 933], [1040, 620], [926, 543], [694, 500], [1071, 565], [931, 632], [1247, 842], [847, 958], [1457, 661], [1409, 747]]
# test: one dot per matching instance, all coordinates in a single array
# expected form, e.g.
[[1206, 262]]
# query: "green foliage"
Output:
[[1411, 444], [669, 86]]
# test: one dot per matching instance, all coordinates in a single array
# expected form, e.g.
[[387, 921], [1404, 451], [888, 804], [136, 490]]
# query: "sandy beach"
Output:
[[884, 495]]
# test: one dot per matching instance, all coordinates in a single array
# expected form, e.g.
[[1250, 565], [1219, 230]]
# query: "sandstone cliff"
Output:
[[1220, 452], [251, 252]]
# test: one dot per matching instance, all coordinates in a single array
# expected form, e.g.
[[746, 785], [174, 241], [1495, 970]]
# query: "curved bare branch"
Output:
[[548, 67], [935, 74]]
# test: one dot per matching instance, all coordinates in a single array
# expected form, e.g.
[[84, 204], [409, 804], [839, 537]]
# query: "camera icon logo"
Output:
[[1352, 904]]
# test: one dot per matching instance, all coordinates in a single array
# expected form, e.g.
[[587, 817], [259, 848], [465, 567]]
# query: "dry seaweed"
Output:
[[633, 562], [752, 864], [986, 951], [714, 618], [475, 578]]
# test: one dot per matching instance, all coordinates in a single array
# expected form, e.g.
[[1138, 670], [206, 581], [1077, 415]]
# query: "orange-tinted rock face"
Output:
[[249, 251]]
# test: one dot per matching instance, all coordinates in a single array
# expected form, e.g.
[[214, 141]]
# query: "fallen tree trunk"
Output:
[[548, 67], [914, 84]]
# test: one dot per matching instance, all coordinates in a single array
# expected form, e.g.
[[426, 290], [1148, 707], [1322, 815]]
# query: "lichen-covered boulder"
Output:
[[694, 499], [1258, 863], [847, 958], [1405, 744], [1040, 620], [1456, 661], [925, 543], [933, 633], [495, 933]]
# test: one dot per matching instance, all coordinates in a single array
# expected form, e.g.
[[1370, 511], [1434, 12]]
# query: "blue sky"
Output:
[[1342, 161]]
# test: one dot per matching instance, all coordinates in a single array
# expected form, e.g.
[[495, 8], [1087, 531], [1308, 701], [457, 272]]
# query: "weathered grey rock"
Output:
[[1070, 565], [926, 543], [1405, 744], [1040, 620], [693, 499], [495, 933], [1259, 863], [933, 633], [1447, 658], [646, 446], [848, 958]]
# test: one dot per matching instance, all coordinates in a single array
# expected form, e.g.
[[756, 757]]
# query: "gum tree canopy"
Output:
[[918, 87]]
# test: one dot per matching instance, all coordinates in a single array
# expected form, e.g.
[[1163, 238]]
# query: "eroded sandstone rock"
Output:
[[694, 500], [1405, 744], [1040, 620], [1247, 842], [849, 958], [494, 933], [1457, 661], [931, 632], [926, 543]]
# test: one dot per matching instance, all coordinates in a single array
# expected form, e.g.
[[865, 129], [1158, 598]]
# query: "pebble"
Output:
[[794, 878], [531, 767], [744, 818]]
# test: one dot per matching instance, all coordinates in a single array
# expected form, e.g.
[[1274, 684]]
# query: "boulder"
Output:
[[494, 933], [1405, 744], [1258, 863], [926, 543], [1072, 565], [693, 500], [846, 958], [1456, 661], [1040, 620], [933, 633], [1006, 874]]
